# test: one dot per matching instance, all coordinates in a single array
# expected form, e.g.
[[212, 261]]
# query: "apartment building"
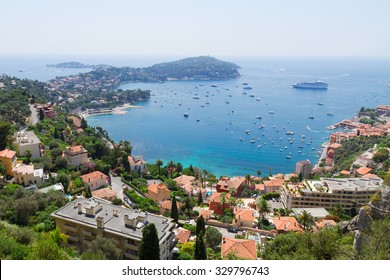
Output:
[[83, 219], [303, 167], [28, 141], [327, 192]]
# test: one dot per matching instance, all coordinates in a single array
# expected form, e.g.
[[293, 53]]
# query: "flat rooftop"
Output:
[[113, 223], [26, 138], [315, 212], [347, 184]]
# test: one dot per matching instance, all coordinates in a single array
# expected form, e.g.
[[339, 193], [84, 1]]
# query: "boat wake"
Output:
[[308, 128]]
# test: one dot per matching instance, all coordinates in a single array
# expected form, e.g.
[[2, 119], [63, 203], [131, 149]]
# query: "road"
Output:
[[34, 115]]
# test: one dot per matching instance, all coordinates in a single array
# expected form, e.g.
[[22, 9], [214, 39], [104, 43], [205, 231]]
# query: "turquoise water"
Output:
[[159, 130], [218, 119]]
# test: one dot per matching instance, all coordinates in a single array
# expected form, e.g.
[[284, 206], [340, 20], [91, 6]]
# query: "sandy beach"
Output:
[[119, 110]]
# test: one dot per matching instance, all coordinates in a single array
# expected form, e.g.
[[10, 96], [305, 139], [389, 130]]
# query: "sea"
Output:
[[231, 130]]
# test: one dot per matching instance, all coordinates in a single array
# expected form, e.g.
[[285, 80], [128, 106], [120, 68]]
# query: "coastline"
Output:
[[119, 110]]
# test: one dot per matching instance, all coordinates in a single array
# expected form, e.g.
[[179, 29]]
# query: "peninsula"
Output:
[[75, 65], [202, 68]]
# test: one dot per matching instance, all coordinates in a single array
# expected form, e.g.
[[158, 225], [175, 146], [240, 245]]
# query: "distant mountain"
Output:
[[75, 64]]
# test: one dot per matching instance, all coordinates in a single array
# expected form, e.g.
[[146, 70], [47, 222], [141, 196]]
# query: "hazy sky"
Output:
[[201, 27]]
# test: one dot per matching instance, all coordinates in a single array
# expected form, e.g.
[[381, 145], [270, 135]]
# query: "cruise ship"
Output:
[[311, 85]]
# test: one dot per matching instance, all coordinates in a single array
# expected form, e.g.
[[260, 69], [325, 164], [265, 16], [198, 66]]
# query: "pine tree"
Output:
[[83, 123], [200, 248], [174, 210], [200, 225], [149, 249]]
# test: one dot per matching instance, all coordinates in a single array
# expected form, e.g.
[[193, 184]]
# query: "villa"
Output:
[[244, 217], [241, 248], [217, 205], [8, 159], [137, 164], [94, 180], [76, 155], [232, 185], [158, 192]]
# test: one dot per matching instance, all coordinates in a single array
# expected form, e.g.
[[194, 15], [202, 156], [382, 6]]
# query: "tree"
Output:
[[171, 167], [200, 225], [306, 219], [5, 128], [200, 198], [102, 246], [174, 210], [83, 123], [258, 172], [28, 156], [263, 208], [248, 179], [150, 248], [159, 163], [41, 115], [200, 248], [213, 237]]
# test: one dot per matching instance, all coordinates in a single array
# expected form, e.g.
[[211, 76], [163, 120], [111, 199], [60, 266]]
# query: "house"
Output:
[[345, 173], [83, 219], [244, 217], [232, 185], [137, 164], [8, 159], [28, 141], [26, 175], [190, 186], [76, 155], [166, 205], [94, 180], [241, 248], [158, 192], [285, 224], [362, 171], [320, 224], [274, 185], [182, 234], [205, 214], [104, 193], [217, 205]]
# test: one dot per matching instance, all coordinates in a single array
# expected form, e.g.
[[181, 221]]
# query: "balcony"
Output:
[[69, 227], [131, 256], [131, 246], [73, 238]]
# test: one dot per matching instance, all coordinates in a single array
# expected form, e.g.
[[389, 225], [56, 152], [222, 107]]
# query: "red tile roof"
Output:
[[286, 224], [242, 248], [155, 188], [363, 170], [182, 234], [245, 214], [7, 153], [93, 176], [216, 197]]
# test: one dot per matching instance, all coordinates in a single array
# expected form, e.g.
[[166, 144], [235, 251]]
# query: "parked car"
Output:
[[232, 229]]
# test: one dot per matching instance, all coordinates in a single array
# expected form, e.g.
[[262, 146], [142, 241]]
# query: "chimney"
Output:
[[79, 208], [100, 222]]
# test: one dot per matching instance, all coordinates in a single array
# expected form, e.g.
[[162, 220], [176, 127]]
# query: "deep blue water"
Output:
[[160, 131]]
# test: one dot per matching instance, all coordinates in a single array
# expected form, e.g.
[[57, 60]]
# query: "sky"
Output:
[[304, 28]]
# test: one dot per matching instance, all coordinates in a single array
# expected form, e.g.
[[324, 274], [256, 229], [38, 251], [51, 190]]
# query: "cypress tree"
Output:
[[41, 115], [200, 248], [200, 198], [174, 210], [149, 249], [83, 123], [200, 225]]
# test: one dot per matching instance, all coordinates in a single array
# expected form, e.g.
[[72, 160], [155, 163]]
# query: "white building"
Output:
[[28, 141]]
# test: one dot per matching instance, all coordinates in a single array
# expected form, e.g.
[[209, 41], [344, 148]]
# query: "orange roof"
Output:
[[167, 204], [138, 160], [76, 149], [325, 223], [227, 183], [259, 187], [155, 188], [274, 183], [206, 214], [105, 193], [279, 176], [93, 176], [7, 153], [216, 197], [370, 176], [363, 170], [182, 235], [184, 180], [242, 248], [245, 214], [286, 224], [334, 146], [344, 172]]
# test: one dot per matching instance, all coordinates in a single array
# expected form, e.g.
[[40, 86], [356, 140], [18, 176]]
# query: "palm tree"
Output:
[[263, 207], [306, 219], [159, 163], [248, 179], [171, 166], [223, 198], [258, 172], [240, 202]]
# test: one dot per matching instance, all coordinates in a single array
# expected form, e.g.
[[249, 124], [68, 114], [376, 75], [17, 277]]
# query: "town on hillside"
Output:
[[103, 202]]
